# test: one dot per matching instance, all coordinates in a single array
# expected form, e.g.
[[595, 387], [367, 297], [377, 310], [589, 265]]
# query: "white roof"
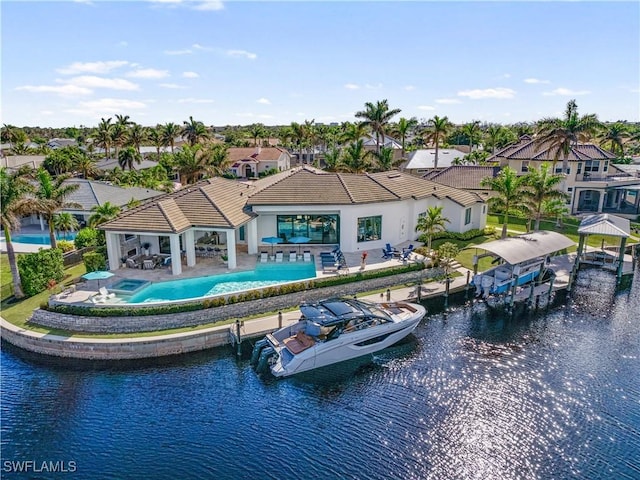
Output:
[[425, 158], [605, 224], [528, 246]]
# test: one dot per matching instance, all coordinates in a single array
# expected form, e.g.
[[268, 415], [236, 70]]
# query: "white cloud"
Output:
[[242, 53], [448, 101], [190, 75], [92, 67], [426, 107], [535, 80], [209, 5], [201, 5], [174, 86], [148, 73], [477, 94], [113, 105], [185, 51], [264, 101], [565, 92], [351, 86], [90, 81], [197, 46], [195, 100], [71, 90], [47, 112], [409, 88]]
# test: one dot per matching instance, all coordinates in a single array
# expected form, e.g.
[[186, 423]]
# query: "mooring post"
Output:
[[446, 293], [533, 286], [279, 320], [388, 294], [550, 290], [513, 290], [239, 340]]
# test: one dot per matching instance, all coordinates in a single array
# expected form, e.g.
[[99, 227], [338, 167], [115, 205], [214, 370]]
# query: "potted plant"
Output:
[[146, 246], [123, 261], [225, 258]]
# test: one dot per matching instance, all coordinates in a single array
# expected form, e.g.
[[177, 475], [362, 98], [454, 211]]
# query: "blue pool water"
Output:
[[40, 238], [263, 276], [472, 394]]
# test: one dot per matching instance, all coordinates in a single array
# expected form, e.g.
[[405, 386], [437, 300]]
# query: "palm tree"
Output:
[[103, 213], [376, 117], [494, 132], [332, 160], [298, 134], [194, 131], [127, 157], [137, 135], [385, 159], [540, 186], [472, 132], [403, 127], [432, 223], [60, 161], [52, 193], [65, 222], [86, 165], [155, 137], [352, 132], [616, 134], [169, 133], [103, 134], [15, 202], [562, 134], [508, 186], [438, 129], [219, 160], [256, 131], [355, 158], [192, 162], [556, 208]]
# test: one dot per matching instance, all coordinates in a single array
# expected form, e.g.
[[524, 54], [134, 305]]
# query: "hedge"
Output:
[[94, 261], [468, 235], [41, 270]]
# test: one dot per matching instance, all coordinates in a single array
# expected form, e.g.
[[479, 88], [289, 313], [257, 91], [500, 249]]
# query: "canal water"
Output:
[[474, 393]]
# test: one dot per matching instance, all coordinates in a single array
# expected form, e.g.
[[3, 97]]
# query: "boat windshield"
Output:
[[377, 312]]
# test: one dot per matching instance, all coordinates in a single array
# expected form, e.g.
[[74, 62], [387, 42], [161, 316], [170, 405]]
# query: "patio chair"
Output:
[[406, 253], [105, 293], [279, 255], [148, 264], [387, 254], [292, 256], [307, 255], [97, 299], [131, 263], [264, 257]]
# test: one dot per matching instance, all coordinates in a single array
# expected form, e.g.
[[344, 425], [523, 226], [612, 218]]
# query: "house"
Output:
[[592, 182], [357, 211], [423, 160], [465, 177], [370, 145], [14, 162], [250, 162], [55, 143]]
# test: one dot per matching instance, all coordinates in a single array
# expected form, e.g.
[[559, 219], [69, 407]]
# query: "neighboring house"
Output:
[[357, 211], [592, 183], [369, 143], [465, 177], [250, 162], [423, 160], [92, 193], [14, 162], [108, 164], [55, 143]]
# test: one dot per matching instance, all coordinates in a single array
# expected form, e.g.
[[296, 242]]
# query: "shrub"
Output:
[[86, 237], [94, 261], [463, 236], [66, 246], [40, 270]]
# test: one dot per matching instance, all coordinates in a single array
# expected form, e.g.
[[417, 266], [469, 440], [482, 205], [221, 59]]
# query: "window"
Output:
[[484, 209], [579, 168], [525, 166], [606, 166], [558, 169], [241, 233], [592, 165], [128, 237], [321, 229], [467, 216], [569, 189], [369, 228]]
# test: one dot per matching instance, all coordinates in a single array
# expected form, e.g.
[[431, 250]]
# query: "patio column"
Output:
[[41, 222], [190, 247], [113, 250], [231, 248], [252, 237], [176, 260], [601, 201]]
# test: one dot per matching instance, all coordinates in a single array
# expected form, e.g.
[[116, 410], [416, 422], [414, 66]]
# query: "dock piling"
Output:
[[279, 320], [239, 339]]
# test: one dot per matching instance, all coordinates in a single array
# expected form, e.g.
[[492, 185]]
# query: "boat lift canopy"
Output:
[[529, 246], [605, 224]]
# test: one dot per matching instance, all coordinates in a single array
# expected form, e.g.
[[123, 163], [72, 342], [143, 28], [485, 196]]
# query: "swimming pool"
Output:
[[263, 276], [40, 238], [128, 286]]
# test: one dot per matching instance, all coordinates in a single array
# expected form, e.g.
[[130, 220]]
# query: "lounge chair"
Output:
[[97, 299], [292, 256], [307, 255], [105, 293], [279, 255], [264, 257]]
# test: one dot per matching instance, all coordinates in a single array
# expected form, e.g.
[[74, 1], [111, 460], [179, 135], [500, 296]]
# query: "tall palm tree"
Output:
[[16, 200], [192, 162], [352, 132], [52, 193], [493, 132], [404, 127], [432, 223], [103, 134], [616, 135], [154, 135], [385, 159], [127, 157], [169, 133], [86, 165], [438, 129], [194, 131], [355, 158], [562, 134], [137, 136], [332, 160], [65, 222], [509, 188], [377, 116], [472, 132], [540, 186], [103, 213], [219, 160], [256, 131], [298, 134]]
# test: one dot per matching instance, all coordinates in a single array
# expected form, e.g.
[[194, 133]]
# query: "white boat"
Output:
[[501, 278], [333, 331]]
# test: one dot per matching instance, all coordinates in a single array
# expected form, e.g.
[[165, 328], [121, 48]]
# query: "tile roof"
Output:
[[237, 154], [214, 203], [467, 177], [308, 186], [531, 149], [91, 193]]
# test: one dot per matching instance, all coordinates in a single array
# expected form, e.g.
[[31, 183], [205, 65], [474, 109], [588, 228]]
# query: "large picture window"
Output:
[[369, 228], [321, 229]]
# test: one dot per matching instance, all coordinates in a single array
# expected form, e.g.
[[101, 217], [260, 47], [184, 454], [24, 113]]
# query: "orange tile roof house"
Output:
[[357, 211], [250, 162]]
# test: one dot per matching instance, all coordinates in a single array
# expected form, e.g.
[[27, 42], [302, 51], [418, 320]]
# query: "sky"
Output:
[[71, 63]]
